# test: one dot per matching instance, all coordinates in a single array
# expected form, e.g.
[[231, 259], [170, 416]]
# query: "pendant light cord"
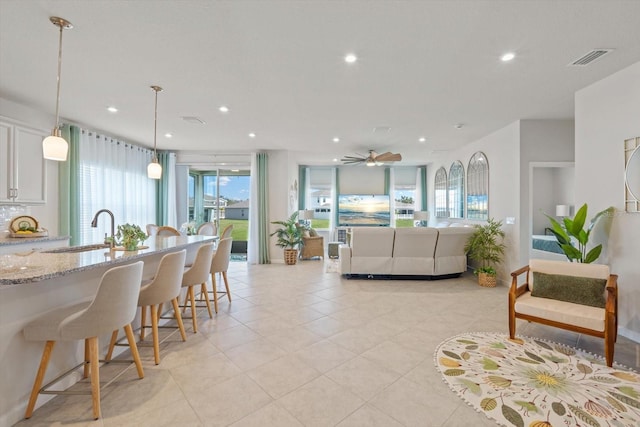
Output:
[[57, 125], [155, 128]]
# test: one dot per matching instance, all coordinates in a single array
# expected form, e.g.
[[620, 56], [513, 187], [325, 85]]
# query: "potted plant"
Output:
[[571, 232], [130, 236], [486, 246], [289, 237]]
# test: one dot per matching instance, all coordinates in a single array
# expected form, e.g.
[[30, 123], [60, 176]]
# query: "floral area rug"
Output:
[[527, 382]]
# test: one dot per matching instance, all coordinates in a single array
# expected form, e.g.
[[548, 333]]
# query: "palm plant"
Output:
[[485, 246], [290, 232], [572, 233]]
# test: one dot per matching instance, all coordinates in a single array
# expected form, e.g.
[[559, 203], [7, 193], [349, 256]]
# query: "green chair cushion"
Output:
[[578, 290]]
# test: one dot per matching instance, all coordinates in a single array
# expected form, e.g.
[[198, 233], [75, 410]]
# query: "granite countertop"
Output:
[[34, 266], [6, 240]]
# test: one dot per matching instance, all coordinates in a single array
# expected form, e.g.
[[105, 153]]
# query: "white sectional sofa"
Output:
[[397, 252]]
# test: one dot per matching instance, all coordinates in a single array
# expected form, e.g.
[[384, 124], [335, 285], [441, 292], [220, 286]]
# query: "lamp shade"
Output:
[[305, 214], [55, 148], [154, 170], [421, 215], [563, 210]]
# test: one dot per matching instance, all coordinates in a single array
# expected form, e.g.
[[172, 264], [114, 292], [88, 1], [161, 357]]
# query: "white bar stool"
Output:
[[220, 264], [197, 274], [165, 286], [113, 307]]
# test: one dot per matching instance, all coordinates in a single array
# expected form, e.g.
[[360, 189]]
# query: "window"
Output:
[[113, 175], [319, 197], [404, 187], [478, 187], [221, 196], [456, 190], [440, 193]]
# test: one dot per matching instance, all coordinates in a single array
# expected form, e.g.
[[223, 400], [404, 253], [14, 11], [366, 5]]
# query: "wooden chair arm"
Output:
[[611, 287], [519, 271], [516, 290]]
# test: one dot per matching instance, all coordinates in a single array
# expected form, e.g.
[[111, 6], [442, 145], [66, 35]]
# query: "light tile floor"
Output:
[[300, 346]]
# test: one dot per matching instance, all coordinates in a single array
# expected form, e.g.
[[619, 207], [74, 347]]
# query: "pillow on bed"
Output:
[[578, 290]]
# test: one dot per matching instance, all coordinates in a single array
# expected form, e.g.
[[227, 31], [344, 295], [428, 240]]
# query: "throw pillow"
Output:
[[313, 233], [578, 290]]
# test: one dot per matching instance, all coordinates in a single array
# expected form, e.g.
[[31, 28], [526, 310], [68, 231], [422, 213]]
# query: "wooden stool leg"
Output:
[[215, 292], [143, 322], [226, 285], [128, 330], [154, 330], [37, 383], [176, 310], [112, 344], [159, 311], [203, 291], [95, 375], [85, 371], [193, 309], [184, 305]]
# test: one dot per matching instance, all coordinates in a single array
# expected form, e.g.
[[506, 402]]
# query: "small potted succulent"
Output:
[[130, 236]]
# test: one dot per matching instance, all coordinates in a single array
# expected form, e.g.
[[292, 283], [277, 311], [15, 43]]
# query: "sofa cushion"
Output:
[[575, 289]]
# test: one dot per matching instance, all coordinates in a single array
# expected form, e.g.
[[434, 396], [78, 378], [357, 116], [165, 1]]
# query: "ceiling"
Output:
[[423, 67]]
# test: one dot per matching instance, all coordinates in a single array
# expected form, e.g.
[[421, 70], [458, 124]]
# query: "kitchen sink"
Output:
[[74, 249]]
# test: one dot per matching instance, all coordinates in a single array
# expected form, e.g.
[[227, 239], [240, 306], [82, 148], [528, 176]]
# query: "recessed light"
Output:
[[422, 139], [112, 109], [336, 139], [252, 135], [350, 58], [223, 109], [335, 160], [508, 56], [168, 135]]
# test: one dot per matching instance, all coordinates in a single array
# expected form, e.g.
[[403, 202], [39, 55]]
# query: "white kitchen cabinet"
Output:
[[23, 168]]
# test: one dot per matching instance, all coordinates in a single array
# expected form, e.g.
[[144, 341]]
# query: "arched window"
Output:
[[440, 193], [456, 190], [478, 187]]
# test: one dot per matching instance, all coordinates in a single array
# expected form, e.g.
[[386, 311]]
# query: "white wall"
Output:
[[502, 149], [359, 179], [283, 177], [46, 214], [540, 141], [607, 113]]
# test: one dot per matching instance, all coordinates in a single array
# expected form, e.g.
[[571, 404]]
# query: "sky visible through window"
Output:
[[231, 187]]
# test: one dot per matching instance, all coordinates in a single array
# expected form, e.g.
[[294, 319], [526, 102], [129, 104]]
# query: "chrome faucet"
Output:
[[94, 224]]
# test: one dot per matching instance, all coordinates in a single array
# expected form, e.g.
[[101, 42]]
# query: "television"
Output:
[[356, 210]]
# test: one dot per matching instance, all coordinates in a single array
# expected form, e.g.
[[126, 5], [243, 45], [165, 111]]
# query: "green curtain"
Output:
[[387, 181], [302, 187], [69, 208], [263, 207], [335, 197], [162, 190], [423, 184]]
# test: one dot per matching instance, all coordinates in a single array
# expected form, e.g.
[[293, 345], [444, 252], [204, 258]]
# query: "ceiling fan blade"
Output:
[[352, 159], [388, 157]]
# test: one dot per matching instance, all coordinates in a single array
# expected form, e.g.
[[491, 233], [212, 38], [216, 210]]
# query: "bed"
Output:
[[546, 247]]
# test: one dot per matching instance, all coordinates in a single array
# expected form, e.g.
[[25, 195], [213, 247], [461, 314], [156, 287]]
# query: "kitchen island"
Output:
[[33, 282]]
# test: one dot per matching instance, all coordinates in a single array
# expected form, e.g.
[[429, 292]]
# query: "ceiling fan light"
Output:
[[154, 170], [54, 147]]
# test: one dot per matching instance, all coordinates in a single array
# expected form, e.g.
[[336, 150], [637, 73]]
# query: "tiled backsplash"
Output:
[[7, 212]]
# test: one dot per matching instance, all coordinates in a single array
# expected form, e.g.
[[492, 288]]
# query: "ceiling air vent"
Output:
[[589, 57], [193, 119]]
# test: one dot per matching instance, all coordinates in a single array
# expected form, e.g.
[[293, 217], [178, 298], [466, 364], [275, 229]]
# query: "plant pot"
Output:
[[290, 256], [487, 280]]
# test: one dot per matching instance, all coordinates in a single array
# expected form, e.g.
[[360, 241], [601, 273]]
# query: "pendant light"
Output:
[[154, 170], [54, 147]]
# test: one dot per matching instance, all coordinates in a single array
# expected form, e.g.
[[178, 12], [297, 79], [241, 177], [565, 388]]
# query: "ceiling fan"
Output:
[[373, 159]]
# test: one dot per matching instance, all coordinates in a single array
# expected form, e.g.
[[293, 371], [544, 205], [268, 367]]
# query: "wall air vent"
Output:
[[193, 119], [590, 57]]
